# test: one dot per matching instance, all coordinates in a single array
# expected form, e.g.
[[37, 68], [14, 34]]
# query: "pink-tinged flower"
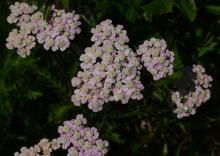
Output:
[[29, 23], [110, 69], [21, 41], [156, 58], [187, 105], [43, 148], [80, 140], [18, 10], [54, 35], [61, 28]]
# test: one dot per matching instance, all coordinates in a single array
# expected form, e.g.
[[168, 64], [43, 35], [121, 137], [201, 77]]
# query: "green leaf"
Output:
[[159, 7], [207, 49], [178, 150], [119, 7], [101, 9], [137, 3], [65, 3], [34, 94], [165, 149], [59, 112], [188, 8], [135, 146], [213, 9], [158, 96], [131, 14]]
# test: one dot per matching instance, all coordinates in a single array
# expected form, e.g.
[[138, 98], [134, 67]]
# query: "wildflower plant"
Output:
[[110, 73]]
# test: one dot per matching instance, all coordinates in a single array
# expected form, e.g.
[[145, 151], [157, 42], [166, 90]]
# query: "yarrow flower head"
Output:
[[18, 10], [156, 58], [22, 41], [110, 70], [81, 140], [61, 28], [107, 31], [56, 34], [29, 23], [43, 148], [186, 105]]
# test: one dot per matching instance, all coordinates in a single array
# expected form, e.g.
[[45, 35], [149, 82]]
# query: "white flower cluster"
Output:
[[156, 58], [54, 34], [111, 70], [187, 105], [43, 148]]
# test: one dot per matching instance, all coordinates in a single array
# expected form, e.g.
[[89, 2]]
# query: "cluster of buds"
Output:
[[80, 140], [156, 58], [43, 148], [186, 105], [111, 70], [54, 34]]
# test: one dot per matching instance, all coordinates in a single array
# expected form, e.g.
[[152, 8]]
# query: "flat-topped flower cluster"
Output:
[[74, 137], [111, 70], [186, 105], [32, 27], [156, 58], [81, 140], [43, 148]]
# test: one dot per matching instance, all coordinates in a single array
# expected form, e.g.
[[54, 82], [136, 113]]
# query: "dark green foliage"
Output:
[[35, 92]]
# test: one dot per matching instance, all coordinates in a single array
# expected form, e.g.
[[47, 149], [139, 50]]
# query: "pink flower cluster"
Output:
[[56, 34], [22, 41], [18, 10], [156, 58], [111, 70], [29, 23], [61, 28], [80, 140], [43, 148], [187, 105]]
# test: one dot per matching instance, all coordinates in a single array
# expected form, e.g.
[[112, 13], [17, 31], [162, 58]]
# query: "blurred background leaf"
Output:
[[213, 9], [188, 8]]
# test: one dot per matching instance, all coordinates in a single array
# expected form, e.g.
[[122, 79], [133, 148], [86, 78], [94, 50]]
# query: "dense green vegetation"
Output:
[[35, 92]]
